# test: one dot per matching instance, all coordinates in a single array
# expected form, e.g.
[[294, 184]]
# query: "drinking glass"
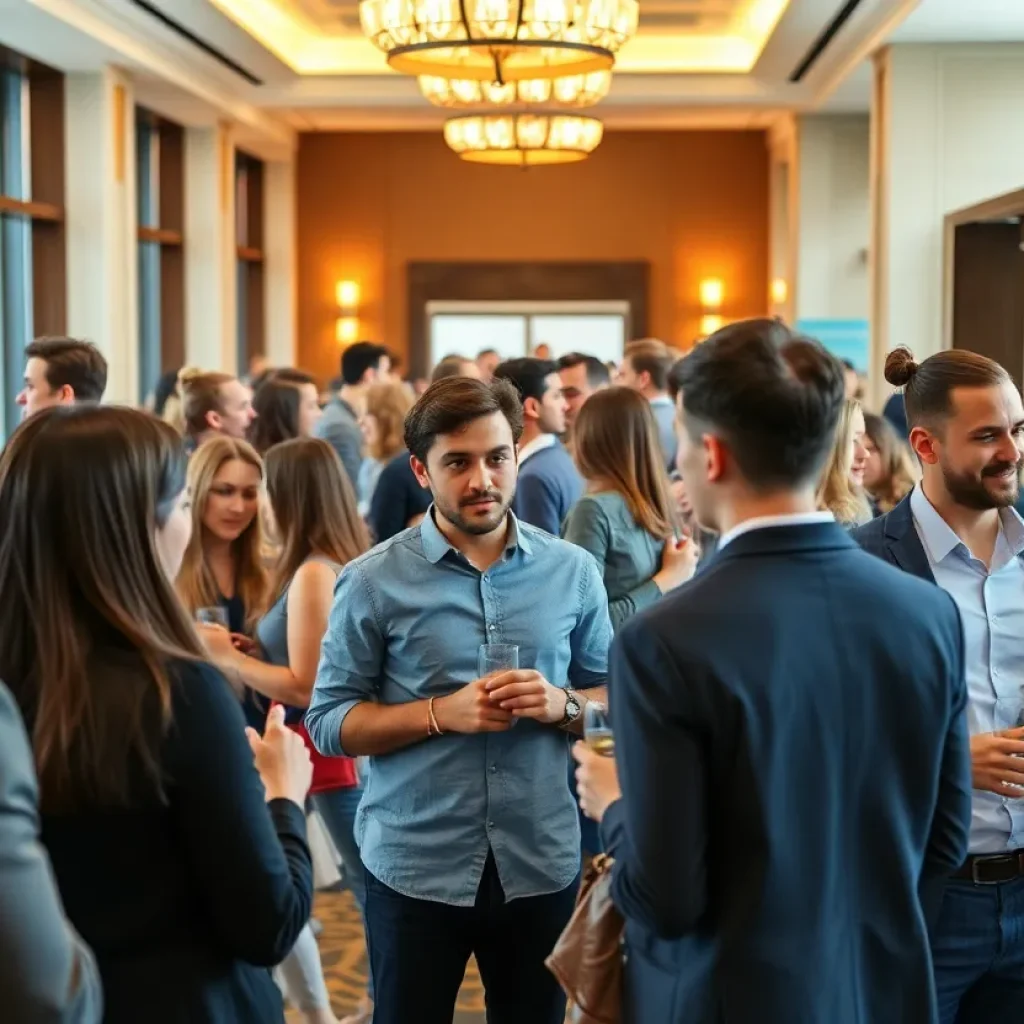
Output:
[[215, 616], [597, 729], [497, 658]]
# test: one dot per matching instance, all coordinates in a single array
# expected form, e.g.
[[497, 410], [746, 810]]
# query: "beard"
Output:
[[475, 524], [982, 491]]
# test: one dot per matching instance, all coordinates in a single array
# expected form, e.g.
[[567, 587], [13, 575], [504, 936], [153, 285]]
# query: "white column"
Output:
[[944, 132], [279, 261], [102, 245], [211, 286], [834, 218]]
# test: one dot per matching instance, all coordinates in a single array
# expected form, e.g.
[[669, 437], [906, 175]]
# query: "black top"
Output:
[[186, 904], [397, 498]]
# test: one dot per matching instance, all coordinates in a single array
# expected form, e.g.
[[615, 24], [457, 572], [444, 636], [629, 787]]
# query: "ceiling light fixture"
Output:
[[499, 40], [523, 140], [571, 91]]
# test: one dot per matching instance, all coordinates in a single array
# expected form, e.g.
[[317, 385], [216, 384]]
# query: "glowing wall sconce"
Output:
[[346, 326], [709, 323], [780, 291], [712, 291]]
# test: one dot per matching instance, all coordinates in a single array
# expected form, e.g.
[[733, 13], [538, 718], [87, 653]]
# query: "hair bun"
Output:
[[900, 367]]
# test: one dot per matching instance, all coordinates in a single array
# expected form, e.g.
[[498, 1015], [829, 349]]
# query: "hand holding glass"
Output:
[[215, 616], [597, 729], [494, 658]]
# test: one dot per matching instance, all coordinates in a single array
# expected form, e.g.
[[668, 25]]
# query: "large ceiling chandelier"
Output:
[[523, 140], [499, 40], [570, 91]]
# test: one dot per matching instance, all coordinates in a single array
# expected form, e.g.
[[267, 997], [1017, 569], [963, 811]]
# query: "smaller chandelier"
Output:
[[570, 91], [523, 140], [499, 40]]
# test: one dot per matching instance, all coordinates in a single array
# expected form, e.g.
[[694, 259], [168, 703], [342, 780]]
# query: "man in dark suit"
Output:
[[959, 529], [789, 731], [47, 974]]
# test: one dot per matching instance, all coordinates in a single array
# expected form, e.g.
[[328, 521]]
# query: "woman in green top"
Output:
[[626, 519]]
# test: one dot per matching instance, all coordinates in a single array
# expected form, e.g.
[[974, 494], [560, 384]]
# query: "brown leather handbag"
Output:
[[588, 957]]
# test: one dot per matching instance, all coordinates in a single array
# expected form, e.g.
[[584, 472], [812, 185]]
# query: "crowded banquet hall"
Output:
[[511, 513]]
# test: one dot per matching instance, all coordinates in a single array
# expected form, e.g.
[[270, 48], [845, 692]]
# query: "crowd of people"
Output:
[[395, 607]]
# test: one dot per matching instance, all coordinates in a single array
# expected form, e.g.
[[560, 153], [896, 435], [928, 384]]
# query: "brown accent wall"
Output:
[[692, 204]]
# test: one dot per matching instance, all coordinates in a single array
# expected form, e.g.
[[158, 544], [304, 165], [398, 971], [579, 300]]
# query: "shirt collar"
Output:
[[436, 544], [763, 522], [938, 537], [538, 444], [662, 400]]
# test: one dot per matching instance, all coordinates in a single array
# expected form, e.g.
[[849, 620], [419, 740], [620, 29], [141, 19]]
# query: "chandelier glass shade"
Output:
[[523, 140], [571, 91], [499, 40]]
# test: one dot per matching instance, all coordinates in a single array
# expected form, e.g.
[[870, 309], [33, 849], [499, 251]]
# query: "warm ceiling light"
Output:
[[499, 40], [709, 324], [346, 329], [711, 293], [571, 91], [523, 139], [347, 294], [780, 291]]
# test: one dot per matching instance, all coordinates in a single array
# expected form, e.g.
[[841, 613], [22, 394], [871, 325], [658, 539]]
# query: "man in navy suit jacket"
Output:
[[789, 731]]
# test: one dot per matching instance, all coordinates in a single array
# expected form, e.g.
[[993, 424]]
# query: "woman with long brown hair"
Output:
[[318, 530], [287, 405], [626, 519], [153, 815], [889, 470]]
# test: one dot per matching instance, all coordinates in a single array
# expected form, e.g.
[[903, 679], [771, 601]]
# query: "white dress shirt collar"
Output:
[[763, 522], [538, 444]]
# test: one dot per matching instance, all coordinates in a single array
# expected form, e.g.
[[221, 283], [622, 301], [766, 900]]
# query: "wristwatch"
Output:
[[572, 708]]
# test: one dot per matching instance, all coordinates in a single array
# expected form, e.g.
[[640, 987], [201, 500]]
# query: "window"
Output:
[[516, 329], [249, 236], [160, 172], [32, 260]]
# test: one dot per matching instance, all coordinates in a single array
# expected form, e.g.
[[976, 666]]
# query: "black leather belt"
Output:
[[991, 869]]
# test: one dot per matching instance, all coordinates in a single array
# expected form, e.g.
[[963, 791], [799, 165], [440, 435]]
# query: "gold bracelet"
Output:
[[433, 720]]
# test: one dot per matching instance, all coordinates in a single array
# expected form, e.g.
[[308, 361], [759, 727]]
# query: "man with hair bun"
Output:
[[958, 528]]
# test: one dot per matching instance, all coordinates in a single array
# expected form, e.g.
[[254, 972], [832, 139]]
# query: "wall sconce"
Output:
[[780, 291], [346, 326], [712, 291], [709, 323]]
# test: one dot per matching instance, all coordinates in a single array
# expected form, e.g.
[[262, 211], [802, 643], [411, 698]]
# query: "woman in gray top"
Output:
[[626, 519]]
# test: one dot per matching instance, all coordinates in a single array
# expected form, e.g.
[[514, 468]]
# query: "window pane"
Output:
[[466, 334], [14, 152], [149, 316], [241, 199], [600, 335], [15, 309], [147, 144]]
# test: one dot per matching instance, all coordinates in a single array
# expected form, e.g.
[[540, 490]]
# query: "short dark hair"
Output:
[[452, 403], [73, 363], [675, 374], [772, 395], [360, 357], [928, 386], [653, 357], [450, 366], [597, 373], [527, 375]]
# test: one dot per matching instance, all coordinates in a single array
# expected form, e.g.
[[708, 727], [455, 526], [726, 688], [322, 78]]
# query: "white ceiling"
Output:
[[964, 21]]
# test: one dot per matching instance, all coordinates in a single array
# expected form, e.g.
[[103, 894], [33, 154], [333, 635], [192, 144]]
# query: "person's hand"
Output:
[[678, 563], [471, 710], [281, 759], [219, 643], [527, 694], [244, 644], [996, 764], [597, 781]]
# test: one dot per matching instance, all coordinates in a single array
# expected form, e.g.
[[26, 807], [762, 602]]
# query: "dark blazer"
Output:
[[188, 903], [47, 974], [893, 538], [794, 766]]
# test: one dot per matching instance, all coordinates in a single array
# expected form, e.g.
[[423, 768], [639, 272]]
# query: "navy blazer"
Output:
[[893, 538], [795, 771]]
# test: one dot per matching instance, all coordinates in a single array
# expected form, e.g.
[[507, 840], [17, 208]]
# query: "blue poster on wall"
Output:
[[845, 339]]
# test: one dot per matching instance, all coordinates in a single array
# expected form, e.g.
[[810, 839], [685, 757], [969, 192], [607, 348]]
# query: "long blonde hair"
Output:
[[835, 492], [615, 443], [196, 584]]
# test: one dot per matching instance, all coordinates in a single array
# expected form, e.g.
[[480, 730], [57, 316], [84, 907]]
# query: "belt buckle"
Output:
[[988, 860]]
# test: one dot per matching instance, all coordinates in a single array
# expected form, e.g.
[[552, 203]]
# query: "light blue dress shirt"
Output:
[[407, 623], [991, 603]]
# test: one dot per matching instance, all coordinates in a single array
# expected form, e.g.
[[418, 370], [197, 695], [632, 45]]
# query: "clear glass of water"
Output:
[[215, 616], [597, 729], [497, 658]]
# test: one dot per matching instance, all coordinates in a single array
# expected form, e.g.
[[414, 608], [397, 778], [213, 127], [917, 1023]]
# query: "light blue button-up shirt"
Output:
[[407, 623], [991, 603]]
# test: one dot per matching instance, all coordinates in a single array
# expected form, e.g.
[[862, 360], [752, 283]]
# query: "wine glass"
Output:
[[215, 616], [597, 729]]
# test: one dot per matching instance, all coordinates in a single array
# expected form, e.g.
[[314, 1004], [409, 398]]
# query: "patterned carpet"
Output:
[[343, 953]]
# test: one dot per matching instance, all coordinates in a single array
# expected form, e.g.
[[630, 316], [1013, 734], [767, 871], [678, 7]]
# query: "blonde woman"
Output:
[[890, 473], [382, 425], [841, 490]]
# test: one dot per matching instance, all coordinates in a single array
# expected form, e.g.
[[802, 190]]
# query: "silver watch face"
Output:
[[572, 708]]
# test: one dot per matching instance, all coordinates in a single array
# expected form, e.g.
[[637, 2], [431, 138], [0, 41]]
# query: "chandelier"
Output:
[[499, 40], [569, 91], [523, 140]]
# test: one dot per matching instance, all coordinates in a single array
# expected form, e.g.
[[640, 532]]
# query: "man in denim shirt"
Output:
[[468, 830]]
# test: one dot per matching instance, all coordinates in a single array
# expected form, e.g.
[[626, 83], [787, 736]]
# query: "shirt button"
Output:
[[490, 824], [492, 627], [494, 768]]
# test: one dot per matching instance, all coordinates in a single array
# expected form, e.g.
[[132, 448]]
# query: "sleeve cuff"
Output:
[[326, 729], [613, 827], [288, 817], [646, 594]]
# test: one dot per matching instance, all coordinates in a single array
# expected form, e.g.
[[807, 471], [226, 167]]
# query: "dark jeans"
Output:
[[419, 951], [978, 950]]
